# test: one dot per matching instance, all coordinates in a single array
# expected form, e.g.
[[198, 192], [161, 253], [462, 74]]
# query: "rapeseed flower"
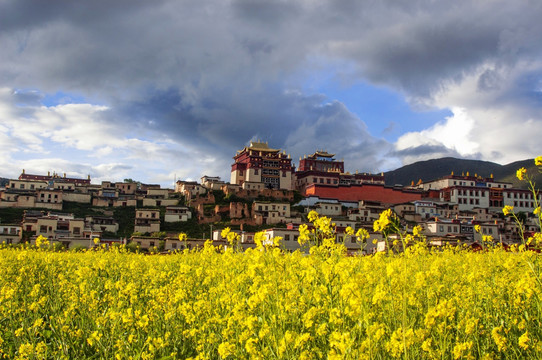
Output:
[[259, 304], [507, 210], [521, 173]]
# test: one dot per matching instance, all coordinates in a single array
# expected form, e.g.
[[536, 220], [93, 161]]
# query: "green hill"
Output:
[[437, 168]]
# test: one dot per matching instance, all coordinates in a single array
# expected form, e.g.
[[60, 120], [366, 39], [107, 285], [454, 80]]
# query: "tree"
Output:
[[130, 180]]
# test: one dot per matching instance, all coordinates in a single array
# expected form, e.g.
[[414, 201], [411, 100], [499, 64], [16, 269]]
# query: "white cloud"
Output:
[[497, 115], [32, 137], [455, 133]]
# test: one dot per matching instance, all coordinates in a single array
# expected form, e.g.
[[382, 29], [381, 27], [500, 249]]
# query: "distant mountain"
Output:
[[437, 168]]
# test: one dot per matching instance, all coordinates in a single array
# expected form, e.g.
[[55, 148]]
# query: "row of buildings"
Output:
[[262, 188], [49, 193], [321, 176]]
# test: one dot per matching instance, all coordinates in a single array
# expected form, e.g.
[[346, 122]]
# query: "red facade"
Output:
[[54, 177], [367, 192]]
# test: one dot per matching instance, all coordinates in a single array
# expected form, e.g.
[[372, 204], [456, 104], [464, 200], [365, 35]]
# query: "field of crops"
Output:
[[264, 303], [269, 304]]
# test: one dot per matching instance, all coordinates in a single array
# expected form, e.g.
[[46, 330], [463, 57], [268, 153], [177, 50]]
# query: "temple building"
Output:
[[470, 192], [51, 179], [321, 168], [258, 163]]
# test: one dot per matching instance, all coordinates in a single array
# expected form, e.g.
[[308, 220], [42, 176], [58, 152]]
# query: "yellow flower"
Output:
[[417, 230], [42, 240], [259, 239], [96, 241], [94, 337], [521, 173], [224, 233], [487, 238], [477, 228], [383, 220], [538, 161], [349, 230], [233, 238], [499, 339], [362, 234], [26, 350], [426, 345], [182, 237], [313, 215], [226, 349], [461, 348], [304, 234], [537, 211], [507, 210], [524, 341]]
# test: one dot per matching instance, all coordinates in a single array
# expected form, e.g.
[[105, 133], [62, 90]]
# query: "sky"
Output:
[[171, 89]]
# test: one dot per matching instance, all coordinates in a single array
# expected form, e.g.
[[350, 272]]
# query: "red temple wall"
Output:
[[367, 192]]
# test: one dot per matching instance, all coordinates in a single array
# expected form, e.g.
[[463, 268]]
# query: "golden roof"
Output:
[[322, 153], [261, 146]]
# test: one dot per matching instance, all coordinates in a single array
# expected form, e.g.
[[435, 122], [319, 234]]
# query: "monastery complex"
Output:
[[265, 191]]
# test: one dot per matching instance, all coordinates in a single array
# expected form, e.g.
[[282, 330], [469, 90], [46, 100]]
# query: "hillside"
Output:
[[436, 168], [3, 182]]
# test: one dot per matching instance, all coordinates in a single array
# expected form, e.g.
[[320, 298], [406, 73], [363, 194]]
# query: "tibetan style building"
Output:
[[259, 164], [321, 168], [54, 178]]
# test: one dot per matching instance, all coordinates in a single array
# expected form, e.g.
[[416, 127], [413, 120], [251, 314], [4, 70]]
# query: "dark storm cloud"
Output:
[[215, 74], [429, 43], [226, 121], [415, 46], [30, 14], [271, 13], [27, 98]]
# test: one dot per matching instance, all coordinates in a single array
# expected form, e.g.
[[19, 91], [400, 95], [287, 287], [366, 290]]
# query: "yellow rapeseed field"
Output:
[[270, 304], [265, 303]]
